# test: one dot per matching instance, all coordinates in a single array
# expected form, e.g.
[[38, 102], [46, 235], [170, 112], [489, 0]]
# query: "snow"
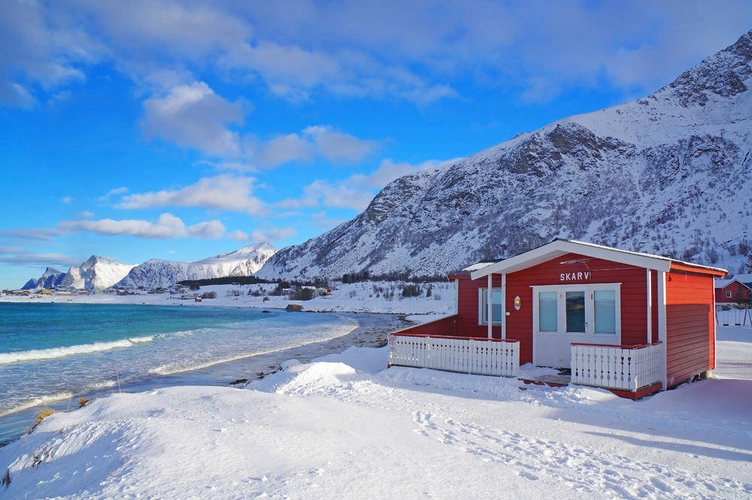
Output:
[[344, 426], [365, 297]]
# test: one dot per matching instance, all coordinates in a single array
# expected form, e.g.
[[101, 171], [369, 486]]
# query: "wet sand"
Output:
[[372, 331]]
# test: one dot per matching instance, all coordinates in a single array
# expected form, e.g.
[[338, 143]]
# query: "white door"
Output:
[[566, 314]]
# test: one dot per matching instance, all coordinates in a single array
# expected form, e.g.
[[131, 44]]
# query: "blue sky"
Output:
[[184, 129]]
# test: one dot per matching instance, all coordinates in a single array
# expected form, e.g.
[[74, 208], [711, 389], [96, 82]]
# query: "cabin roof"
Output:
[[723, 283], [560, 247]]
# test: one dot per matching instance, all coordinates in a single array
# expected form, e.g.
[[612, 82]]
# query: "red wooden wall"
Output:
[[633, 297], [690, 325], [444, 326], [467, 308]]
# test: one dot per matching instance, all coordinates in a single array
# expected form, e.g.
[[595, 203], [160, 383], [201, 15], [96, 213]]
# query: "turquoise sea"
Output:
[[55, 352]]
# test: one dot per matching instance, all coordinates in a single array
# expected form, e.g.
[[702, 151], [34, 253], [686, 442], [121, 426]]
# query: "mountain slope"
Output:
[[667, 174], [96, 273], [49, 279], [157, 273]]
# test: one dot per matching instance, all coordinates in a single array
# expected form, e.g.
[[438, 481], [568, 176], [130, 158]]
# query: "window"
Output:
[[604, 307], [576, 312], [592, 309], [495, 305], [728, 294], [547, 311]]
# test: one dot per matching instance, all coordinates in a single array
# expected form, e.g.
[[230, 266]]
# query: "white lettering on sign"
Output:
[[575, 276]]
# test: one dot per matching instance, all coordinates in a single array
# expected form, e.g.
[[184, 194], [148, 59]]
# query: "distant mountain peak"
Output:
[[156, 273]]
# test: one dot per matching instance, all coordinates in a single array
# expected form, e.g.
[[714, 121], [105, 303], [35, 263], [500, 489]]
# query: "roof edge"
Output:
[[561, 246]]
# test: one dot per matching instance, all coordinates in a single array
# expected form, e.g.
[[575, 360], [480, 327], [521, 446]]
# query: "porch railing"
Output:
[[629, 368], [478, 356]]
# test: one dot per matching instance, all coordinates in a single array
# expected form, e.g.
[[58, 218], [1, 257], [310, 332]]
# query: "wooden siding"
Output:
[[690, 325], [468, 307], [633, 299], [443, 327]]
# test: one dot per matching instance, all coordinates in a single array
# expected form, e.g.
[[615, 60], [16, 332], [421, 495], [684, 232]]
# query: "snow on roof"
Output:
[[476, 267], [560, 246], [743, 279]]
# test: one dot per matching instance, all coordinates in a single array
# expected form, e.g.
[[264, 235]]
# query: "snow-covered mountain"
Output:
[[156, 273], [669, 174], [96, 273], [49, 279]]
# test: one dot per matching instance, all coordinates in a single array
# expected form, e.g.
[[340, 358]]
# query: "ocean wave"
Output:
[[189, 365], [141, 340], [61, 352], [37, 401]]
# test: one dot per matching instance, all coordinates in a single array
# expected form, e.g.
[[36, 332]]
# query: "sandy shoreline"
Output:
[[372, 331]]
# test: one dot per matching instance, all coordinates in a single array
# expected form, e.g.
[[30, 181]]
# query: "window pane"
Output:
[[576, 312], [496, 305], [605, 311], [547, 312]]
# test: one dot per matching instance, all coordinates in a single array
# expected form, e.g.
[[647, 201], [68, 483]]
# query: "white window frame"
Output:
[[729, 294], [483, 305], [561, 312]]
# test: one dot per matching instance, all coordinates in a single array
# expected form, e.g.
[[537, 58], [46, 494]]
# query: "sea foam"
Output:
[[61, 352]]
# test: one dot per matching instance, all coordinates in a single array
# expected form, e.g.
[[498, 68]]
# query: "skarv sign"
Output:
[[578, 276]]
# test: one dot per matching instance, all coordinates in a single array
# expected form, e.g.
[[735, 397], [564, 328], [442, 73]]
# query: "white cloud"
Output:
[[422, 51], [320, 141], [289, 66], [207, 230], [279, 150], [238, 235], [357, 191], [20, 256], [194, 116], [389, 170], [14, 95], [338, 146], [178, 29], [40, 47], [113, 192], [324, 193], [224, 192], [39, 234], [270, 235], [166, 227]]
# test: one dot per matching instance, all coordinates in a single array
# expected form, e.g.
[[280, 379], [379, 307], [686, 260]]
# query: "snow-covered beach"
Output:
[[147, 359], [345, 426]]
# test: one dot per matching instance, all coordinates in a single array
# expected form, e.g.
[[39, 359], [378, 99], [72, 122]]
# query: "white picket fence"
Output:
[[456, 354], [616, 367]]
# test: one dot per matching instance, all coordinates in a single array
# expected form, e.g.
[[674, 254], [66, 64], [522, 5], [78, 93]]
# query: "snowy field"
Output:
[[344, 426], [366, 297]]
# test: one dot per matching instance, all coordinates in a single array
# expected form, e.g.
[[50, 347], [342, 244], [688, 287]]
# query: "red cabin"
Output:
[[734, 291], [628, 321]]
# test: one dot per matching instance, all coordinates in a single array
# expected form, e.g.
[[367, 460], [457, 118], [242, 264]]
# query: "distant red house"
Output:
[[587, 307], [736, 290]]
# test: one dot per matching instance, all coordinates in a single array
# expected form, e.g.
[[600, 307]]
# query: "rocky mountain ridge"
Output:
[[668, 174], [157, 273], [100, 273]]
